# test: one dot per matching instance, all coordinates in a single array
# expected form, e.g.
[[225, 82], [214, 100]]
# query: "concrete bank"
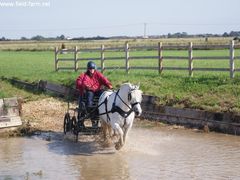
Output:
[[10, 112], [209, 121]]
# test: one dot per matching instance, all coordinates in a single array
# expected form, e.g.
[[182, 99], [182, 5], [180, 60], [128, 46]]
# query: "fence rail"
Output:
[[160, 58]]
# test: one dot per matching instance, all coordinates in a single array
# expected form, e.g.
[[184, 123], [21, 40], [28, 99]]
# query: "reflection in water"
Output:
[[156, 153], [91, 160]]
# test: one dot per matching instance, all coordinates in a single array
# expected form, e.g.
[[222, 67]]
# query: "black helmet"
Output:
[[91, 65]]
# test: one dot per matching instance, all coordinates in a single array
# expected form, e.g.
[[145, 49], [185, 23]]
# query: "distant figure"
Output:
[[63, 46]]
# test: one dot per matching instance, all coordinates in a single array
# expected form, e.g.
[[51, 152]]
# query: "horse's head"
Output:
[[134, 97]]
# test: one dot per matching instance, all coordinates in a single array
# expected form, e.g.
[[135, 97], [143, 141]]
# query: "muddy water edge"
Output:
[[153, 151]]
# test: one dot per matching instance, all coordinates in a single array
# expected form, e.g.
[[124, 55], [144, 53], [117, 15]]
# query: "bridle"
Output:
[[116, 108], [123, 113]]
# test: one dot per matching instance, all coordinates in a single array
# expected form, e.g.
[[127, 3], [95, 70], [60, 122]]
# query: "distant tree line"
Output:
[[235, 34], [62, 37], [232, 34], [185, 35]]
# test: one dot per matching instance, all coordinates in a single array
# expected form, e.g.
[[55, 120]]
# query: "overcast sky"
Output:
[[88, 18]]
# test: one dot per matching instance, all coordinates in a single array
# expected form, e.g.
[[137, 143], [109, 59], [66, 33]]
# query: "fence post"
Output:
[[56, 58], [127, 57], [231, 59], [160, 58], [102, 58], [190, 59], [75, 58]]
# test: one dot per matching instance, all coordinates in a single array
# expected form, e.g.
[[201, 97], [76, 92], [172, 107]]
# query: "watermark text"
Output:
[[20, 3]]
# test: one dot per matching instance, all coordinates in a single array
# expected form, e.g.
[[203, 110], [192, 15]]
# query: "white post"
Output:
[[160, 58], [102, 58], [231, 59], [127, 57], [190, 59]]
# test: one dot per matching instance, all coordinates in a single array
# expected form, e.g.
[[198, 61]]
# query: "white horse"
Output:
[[117, 111]]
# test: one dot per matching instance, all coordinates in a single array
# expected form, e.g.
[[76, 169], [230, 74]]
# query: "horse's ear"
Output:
[[129, 96], [138, 85]]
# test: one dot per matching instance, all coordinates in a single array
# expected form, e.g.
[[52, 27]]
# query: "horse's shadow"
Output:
[[58, 144]]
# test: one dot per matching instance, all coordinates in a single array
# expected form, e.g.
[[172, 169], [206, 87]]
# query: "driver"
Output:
[[90, 83]]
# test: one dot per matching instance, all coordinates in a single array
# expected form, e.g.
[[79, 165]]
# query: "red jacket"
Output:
[[93, 83]]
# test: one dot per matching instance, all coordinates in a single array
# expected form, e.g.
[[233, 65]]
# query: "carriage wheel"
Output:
[[66, 123], [75, 127], [76, 138], [74, 122]]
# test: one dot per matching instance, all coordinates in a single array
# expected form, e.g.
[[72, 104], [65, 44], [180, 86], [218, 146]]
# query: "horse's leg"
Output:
[[120, 143], [109, 129], [126, 133], [104, 129]]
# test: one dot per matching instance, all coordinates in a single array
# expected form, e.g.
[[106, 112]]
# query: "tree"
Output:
[[62, 37], [234, 33], [24, 38], [225, 34], [3, 39], [37, 38]]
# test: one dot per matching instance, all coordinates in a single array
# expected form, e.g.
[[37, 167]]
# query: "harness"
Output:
[[116, 108]]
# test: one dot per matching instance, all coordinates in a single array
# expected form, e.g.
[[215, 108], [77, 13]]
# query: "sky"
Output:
[[90, 18]]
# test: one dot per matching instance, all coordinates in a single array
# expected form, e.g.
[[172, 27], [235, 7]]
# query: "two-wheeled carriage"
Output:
[[82, 119], [117, 110]]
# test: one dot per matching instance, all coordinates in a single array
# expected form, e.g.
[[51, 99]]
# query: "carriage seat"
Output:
[[83, 103], [84, 110]]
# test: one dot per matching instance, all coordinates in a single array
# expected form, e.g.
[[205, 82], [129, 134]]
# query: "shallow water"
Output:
[[150, 153]]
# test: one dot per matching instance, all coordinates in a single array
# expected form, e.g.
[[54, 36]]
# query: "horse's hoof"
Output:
[[107, 143], [118, 146]]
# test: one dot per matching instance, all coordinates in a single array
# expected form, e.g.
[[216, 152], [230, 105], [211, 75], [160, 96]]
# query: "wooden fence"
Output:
[[159, 58]]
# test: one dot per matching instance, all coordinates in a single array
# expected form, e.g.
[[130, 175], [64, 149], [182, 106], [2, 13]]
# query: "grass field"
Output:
[[50, 45], [213, 91]]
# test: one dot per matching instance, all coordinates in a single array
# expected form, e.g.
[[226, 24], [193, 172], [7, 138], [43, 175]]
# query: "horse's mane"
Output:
[[132, 86], [126, 84]]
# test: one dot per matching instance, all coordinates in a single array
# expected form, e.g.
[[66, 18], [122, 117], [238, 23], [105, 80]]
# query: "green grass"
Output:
[[8, 90], [213, 91]]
